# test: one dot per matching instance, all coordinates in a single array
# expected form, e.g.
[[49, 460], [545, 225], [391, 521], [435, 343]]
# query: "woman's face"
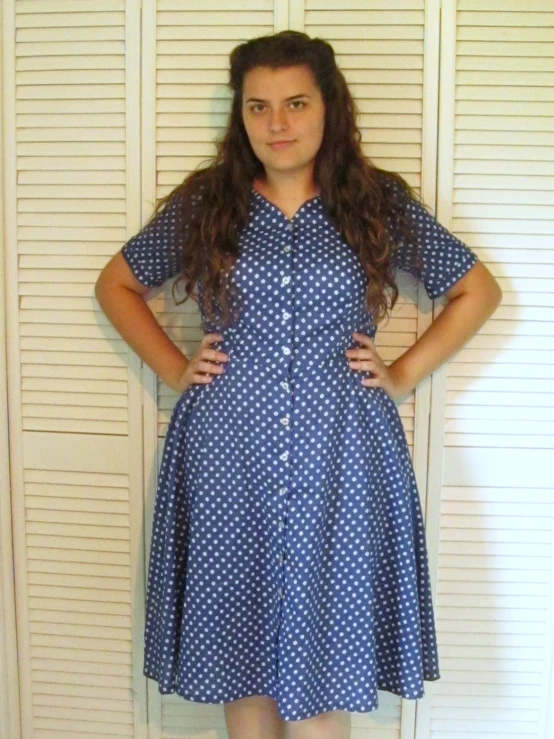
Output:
[[283, 104]]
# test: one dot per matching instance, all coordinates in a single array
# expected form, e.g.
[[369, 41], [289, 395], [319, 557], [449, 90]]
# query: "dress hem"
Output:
[[351, 708]]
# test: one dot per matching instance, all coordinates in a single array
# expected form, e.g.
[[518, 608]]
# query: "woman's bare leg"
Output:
[[328, 725], [254, 717]]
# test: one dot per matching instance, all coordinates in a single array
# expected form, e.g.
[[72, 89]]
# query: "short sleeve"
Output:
[[153, 254], [436, 257]]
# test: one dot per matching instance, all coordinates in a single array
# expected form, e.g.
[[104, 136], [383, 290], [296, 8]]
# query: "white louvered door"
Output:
[[184, 107], [493, 437], [381, 52], [71, 193], [388, 53]]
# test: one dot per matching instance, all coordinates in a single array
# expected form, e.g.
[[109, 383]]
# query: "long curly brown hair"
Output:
[[366, 204]]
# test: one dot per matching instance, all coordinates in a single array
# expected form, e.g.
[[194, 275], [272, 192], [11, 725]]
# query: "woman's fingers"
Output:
[[207, 366], [363, 363], [207, 352], [204, 377]]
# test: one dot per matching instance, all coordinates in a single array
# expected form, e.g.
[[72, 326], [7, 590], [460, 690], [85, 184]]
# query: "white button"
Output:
[[285, 281], [289, 226], [285, 385], [286, 350], [284, 456], [280, 523], [283, 491], [286, 315], [286, 249], [285, 421]]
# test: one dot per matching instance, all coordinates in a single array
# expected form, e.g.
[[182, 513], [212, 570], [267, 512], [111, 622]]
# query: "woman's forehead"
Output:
[[283, 82]]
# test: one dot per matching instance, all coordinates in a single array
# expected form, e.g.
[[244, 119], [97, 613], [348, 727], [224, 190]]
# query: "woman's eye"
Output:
[[256, 107]]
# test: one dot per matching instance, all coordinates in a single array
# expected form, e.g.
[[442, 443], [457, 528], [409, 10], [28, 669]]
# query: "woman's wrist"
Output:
[[403, 385], [174, 377]]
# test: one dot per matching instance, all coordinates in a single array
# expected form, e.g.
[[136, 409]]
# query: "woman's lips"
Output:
[[282, 145]]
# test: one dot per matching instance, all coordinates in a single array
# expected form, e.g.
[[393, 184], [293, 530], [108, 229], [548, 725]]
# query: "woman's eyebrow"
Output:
[[261, 100]]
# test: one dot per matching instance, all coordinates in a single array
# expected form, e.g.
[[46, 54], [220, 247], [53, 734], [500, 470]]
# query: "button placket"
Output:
[[285, 420]]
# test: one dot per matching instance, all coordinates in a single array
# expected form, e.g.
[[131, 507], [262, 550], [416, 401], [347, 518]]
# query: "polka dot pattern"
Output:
[[436, 258], [288, 554]]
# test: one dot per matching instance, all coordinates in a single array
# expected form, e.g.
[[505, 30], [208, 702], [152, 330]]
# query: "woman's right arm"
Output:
[[122, 299]]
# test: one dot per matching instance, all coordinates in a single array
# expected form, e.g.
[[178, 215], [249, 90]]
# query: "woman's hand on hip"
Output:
[[202, 366], [366, 358]]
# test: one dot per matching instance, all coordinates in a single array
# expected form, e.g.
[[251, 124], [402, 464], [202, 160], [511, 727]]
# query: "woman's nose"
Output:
[[278, 119]]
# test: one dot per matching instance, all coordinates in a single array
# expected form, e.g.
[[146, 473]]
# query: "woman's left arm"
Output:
[[471, 302], [445, 265]]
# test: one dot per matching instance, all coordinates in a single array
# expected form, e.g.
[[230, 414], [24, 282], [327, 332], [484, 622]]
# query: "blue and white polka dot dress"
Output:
[[288, 550]]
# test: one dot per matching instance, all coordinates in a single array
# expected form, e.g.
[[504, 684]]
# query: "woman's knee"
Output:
[[254, 717], [327, 725]]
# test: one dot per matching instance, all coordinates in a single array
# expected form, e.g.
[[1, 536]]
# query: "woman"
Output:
[[288, 574]]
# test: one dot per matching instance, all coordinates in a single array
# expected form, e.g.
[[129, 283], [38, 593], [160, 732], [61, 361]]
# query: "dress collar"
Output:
[[265, 210]]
